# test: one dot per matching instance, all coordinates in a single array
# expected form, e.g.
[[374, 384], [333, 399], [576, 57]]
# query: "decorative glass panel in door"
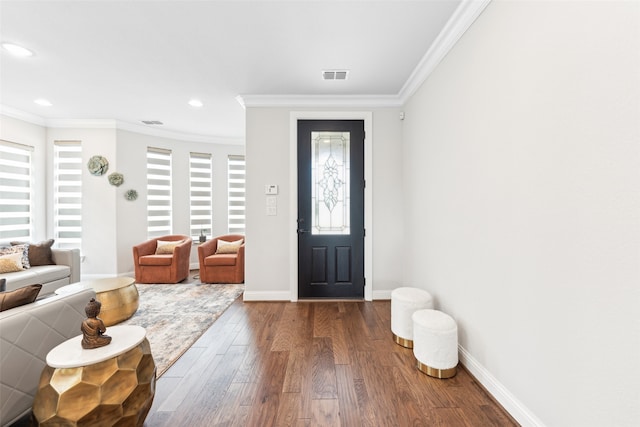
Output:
[[330, 168]]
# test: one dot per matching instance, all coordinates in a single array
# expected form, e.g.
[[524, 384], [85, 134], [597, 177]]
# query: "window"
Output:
[[200, 193], [67, 193], [236, 192], [159, 221], [16, 191]]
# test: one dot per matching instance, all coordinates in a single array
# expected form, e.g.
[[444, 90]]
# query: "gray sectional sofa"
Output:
[[27, 334], [65, 271]]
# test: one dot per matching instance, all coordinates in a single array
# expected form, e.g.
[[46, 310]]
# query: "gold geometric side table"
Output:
[[118, 295], [105, 386]]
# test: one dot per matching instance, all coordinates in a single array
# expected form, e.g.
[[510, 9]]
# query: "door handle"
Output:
[[301, 231]]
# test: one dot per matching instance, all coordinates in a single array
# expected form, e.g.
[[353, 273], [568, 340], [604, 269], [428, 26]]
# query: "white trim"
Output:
[[511, 404], [266, 296], [465, 15], [317, 101], [21, 115], [382, 295], [116, 124], [294, 116]]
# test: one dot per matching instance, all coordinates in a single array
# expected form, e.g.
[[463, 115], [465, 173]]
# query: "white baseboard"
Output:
[[267, 296], [382, 294], [510, 403]]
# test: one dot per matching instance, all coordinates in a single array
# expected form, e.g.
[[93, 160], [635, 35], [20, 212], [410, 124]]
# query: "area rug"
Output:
[[175, 316]]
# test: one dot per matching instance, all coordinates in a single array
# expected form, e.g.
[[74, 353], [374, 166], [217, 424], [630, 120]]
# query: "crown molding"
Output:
[[163, 133], [14, 113], [114, 124], [350, 101], [465, 15]]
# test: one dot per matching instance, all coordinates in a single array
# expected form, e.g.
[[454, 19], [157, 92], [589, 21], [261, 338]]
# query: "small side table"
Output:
[[118, 295], [104, 386]]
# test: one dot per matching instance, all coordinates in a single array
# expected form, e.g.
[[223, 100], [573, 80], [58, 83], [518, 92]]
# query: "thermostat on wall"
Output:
[[270, 189]]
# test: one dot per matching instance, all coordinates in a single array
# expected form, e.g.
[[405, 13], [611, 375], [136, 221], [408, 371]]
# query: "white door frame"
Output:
[[367, 117]]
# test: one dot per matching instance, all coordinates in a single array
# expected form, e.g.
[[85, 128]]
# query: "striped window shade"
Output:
[[16, 191], [67, 193], [159, 207], [236, 194], [201, 193]]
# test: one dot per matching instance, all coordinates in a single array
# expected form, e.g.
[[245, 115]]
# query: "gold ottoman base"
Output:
[[117, 391], [403, 341], [118, 304], [437, 373]]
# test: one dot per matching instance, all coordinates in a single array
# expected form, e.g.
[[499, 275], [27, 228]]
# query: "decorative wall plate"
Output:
[[116, 179], [98, 165], [131, 195]]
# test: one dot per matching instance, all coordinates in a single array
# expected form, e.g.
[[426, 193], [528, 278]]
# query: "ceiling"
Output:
[[129, 61]]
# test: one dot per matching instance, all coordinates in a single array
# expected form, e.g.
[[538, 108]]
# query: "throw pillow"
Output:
[[22, 249], [166, 247], [39, 253], [10, 263], [21, 296], [225, 247]]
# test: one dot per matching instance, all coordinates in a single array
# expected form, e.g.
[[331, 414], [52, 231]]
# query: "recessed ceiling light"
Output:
[[196, 103], [43, 102], [16, 50]]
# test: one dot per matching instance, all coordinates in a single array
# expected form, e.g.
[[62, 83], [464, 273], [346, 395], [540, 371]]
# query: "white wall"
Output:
[[522, 177], [268, 162]]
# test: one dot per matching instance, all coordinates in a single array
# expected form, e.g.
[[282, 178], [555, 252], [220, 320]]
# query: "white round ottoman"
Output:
[[404, 302], [435, 343]]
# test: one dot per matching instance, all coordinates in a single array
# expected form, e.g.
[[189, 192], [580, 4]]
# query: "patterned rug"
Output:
[[175, 316]]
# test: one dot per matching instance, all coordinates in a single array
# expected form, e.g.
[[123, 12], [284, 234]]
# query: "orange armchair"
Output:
[[164, 263], [222, 265]]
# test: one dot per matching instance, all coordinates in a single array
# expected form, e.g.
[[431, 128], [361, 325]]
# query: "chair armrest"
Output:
[[183, 250], [70, 258], [144, 248], [207, 248]]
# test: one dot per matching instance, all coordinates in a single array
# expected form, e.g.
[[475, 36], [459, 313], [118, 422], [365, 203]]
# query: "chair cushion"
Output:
[[221, 259], [155, 260], [225, 247]]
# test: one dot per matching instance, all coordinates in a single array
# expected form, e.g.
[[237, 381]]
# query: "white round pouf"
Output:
[[435, 343], [404, 302]]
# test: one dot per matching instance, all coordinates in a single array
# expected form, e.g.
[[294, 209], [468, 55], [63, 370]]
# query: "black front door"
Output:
[[331, 209]]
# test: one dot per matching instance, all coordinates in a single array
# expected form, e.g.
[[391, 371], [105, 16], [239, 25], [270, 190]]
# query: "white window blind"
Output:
[[16, 191], [236, 194], [201, 193], [67, 193], [159, 214]]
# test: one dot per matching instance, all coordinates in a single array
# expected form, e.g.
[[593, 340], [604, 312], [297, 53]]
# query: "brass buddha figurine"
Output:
[[93, 328]]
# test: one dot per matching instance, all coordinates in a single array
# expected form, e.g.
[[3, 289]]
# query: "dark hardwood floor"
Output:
[[312, 364]]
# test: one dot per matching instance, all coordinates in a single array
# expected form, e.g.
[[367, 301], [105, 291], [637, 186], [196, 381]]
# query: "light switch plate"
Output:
[[271, 189]]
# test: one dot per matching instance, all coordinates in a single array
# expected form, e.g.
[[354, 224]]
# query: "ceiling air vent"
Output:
[[152, 122], [335, 74]]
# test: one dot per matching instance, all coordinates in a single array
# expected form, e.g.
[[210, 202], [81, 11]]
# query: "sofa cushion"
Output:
[[40, 274], [221, 259], [21, 296], [21, 249], [10, 263], [39, 253]]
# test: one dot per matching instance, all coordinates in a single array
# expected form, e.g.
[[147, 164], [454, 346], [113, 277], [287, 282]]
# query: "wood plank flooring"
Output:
[[312, 364]]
